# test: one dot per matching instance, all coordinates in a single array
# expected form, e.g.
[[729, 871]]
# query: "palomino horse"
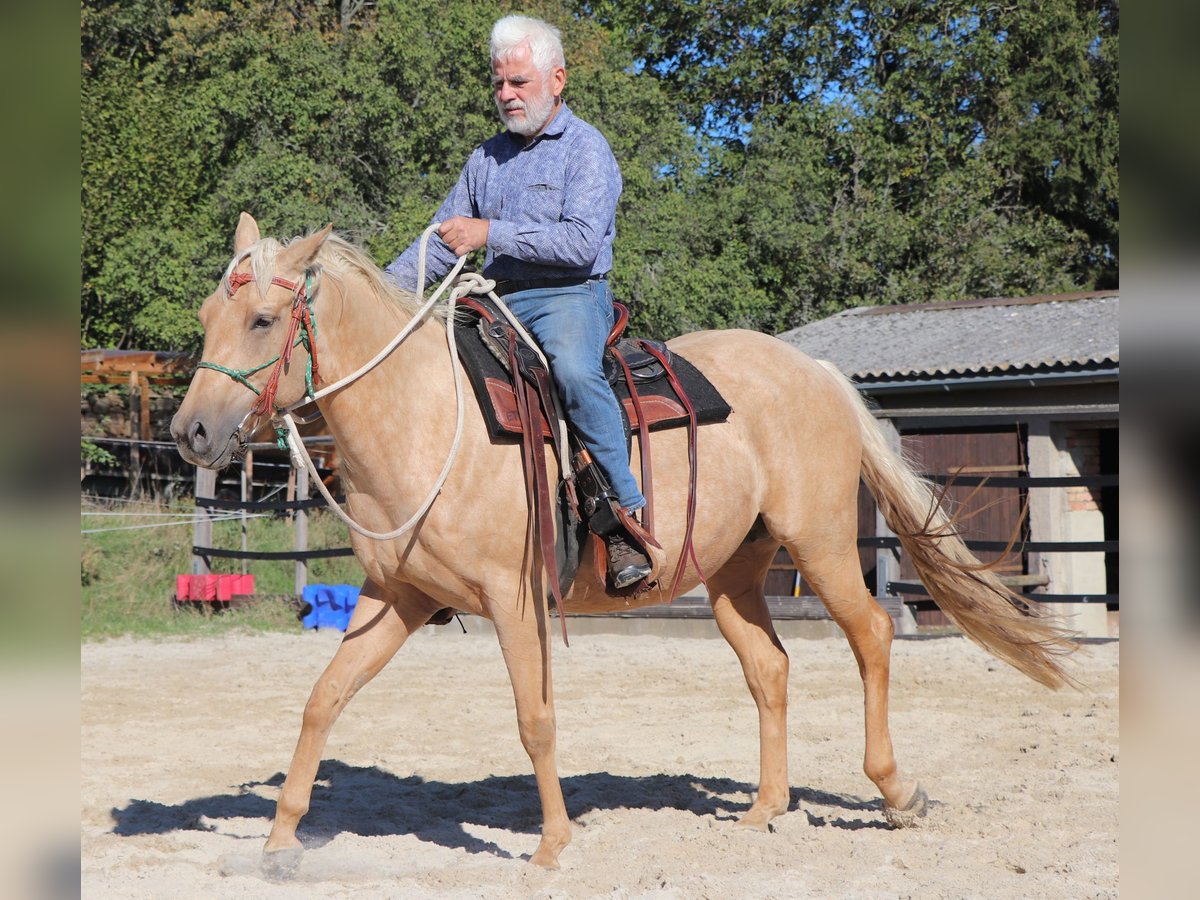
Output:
[[782, 471]]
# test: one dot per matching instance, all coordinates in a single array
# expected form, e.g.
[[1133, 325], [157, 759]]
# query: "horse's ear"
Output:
[[247, 234], [301, 252]]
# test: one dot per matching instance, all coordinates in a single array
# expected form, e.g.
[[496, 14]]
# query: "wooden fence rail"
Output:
[[203, 551]]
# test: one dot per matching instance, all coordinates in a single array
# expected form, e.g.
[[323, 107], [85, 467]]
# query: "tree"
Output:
[[896, 152], [303, 118], [779, 162]]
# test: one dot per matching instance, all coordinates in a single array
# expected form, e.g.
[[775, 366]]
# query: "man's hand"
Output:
[[462, 235]]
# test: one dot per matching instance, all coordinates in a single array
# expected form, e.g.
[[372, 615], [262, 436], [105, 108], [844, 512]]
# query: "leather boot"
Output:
[[627, 565], [633, 554]]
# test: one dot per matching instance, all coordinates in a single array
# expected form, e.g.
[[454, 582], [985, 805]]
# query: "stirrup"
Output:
[[627, 565]]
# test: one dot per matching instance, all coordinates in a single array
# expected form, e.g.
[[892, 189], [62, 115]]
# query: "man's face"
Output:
[[524, 95]]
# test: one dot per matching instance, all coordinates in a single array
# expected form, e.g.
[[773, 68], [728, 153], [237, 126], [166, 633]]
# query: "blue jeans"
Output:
[[571, 324]]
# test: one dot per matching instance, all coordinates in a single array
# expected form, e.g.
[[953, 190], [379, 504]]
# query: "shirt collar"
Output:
[[559, 123], [556, 127]]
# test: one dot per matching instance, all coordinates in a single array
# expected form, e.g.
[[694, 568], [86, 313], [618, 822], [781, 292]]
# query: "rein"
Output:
[[289, 434], [302, 314]]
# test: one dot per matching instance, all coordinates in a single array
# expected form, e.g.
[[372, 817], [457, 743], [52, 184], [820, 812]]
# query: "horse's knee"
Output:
[[775, 668], [882, 625], [327, 699], [867, 625], [537, 734]]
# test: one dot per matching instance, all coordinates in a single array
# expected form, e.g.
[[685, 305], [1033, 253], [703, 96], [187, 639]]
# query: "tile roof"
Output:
[[967, 337]]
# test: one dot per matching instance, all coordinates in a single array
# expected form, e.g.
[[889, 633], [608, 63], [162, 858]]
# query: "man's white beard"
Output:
[[537, 114]]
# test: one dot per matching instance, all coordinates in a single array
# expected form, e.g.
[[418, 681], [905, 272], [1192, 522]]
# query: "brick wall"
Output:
[[1083, 444]]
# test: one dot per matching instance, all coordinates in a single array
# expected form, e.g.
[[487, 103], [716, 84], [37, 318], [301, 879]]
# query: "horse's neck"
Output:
[[395, 411]]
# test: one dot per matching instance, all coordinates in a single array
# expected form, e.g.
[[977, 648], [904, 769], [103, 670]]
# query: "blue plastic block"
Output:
[[330, 605]]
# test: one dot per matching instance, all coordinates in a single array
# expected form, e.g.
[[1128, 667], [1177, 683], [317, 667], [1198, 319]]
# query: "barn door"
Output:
[[984, 513]]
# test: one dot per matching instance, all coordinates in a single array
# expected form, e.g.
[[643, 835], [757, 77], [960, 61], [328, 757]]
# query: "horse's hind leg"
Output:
[[831, 566], [377, 629], [740, 608]]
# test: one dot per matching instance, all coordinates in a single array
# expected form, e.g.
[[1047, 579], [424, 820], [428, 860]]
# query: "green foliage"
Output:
[[780, 162], [901, 152], [91, 452], [148, 284]]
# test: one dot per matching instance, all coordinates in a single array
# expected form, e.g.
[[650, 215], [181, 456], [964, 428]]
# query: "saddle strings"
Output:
[[469, 283]]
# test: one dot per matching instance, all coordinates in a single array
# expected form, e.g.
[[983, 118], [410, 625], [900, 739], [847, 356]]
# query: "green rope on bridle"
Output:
[[305, 337], [241, 376]]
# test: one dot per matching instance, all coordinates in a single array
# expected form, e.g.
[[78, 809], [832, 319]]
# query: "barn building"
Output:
[[1015, 403]]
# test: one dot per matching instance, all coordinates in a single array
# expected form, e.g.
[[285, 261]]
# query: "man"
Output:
[[542, 197]]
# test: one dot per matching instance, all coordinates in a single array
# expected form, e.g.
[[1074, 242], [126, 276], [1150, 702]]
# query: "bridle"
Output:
[[289, 435], [301, 315]]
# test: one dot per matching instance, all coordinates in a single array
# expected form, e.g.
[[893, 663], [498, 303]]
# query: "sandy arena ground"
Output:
[[425, 790]]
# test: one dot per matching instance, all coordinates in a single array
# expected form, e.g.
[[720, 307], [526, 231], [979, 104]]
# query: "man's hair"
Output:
[[545, 45]]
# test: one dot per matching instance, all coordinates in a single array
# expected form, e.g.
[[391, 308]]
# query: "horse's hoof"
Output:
[[280, 865], [757, 818], [546, 855], [544, 859], [753, 823], [912, 812]]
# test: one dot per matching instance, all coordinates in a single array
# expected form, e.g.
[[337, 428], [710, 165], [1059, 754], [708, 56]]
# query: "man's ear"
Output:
[[246, 235], [300, 253], [558, 80]]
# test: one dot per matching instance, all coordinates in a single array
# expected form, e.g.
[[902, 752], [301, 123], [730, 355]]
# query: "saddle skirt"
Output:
[[480, 341]]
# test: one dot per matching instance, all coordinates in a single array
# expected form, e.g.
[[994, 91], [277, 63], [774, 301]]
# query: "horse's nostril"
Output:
[[197, 436]]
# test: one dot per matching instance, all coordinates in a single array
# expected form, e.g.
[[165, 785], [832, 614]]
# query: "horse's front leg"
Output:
[[379, 626], [526, 646]]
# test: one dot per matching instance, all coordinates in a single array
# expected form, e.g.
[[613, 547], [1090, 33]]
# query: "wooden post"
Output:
[[202, 530], [247, 470], [144, 418], [291, 487], [887, 564], [300, 523], [135, 434], [1051, 519]]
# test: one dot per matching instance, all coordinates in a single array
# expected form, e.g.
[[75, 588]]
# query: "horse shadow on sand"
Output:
[[368, 801]]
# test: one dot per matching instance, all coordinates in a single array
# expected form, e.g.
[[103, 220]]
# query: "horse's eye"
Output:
[[263, 321]]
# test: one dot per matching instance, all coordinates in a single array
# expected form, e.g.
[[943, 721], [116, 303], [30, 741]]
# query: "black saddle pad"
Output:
[[486, 373]]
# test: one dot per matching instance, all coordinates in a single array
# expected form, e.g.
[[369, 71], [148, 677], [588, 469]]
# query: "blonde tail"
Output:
[[998, 619]]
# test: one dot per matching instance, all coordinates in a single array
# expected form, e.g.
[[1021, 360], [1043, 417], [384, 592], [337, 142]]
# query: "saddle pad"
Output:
[[493, 389]]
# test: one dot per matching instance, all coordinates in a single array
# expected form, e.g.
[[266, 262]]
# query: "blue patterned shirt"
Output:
[[551, 206]]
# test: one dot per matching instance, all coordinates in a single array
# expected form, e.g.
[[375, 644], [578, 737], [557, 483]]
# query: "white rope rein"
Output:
[[469, 283]]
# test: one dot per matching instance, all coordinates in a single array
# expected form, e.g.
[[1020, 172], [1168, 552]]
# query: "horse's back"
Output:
[[767, 381], [794, 434]]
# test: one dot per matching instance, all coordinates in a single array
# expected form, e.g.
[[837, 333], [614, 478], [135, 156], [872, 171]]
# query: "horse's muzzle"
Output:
[[203, 445]]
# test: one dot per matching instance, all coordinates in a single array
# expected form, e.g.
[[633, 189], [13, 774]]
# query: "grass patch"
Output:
[[127, 574]]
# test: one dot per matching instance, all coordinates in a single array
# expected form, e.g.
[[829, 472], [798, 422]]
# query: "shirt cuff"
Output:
[[502, 237]]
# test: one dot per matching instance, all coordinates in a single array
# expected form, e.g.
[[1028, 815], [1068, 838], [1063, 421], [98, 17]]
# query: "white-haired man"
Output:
[[541, 197]]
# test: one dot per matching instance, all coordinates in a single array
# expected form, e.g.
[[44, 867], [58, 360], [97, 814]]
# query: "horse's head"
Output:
[[248, 369]]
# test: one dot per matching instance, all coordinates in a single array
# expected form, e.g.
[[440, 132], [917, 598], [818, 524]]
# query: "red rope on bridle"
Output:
[[301, 315]]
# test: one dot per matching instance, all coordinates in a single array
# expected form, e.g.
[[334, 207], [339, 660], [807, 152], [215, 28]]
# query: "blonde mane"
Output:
[[337, 258]]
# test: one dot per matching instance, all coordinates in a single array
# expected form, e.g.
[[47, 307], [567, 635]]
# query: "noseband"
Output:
[[301, 315]]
